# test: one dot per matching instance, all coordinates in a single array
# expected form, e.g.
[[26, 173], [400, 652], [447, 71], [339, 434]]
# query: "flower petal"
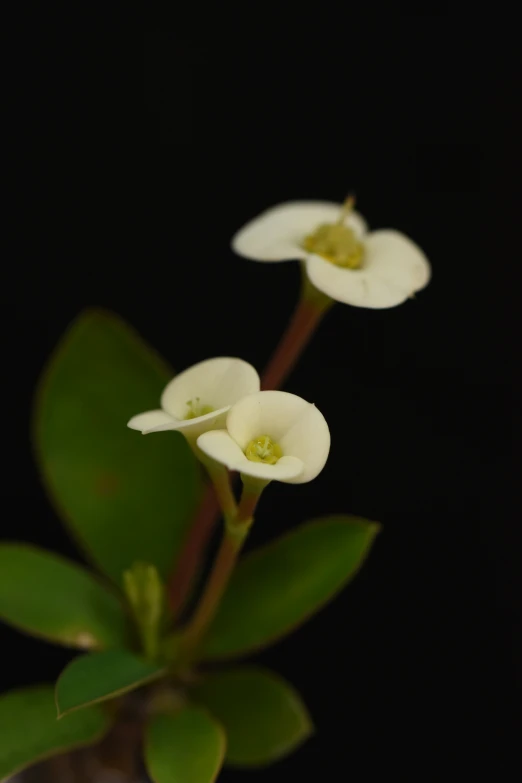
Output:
[[395, 257], [192, 428], [394, 268], [152, 421], [218, 445], [218, 382], [278, 233], [308, 440], [296, 425], [159, 421], [270, 413]]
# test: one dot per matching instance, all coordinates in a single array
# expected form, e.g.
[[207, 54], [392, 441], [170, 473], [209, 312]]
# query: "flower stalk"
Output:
[[310, 310], [234, 536], [218, 495]]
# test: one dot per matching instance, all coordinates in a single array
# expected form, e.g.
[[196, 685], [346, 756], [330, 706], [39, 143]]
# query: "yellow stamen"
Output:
[[263, 449], [196, 409], [336, 242]]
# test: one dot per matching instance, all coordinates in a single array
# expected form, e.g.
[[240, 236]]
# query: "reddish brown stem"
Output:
[[195, 543], [216, 586], [304, 322]]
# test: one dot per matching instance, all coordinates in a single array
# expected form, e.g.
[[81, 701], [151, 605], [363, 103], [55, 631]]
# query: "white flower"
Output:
[[271, 435], [199, 398], [377, 269]]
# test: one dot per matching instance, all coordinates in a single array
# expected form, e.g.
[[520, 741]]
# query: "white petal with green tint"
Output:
[[393, 269], [298, 427], [219, 446], [152, 421], [211, 386], [218, 382], [278, 234]]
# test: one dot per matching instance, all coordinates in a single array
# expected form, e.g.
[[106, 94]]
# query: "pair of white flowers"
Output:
[[268, 435]]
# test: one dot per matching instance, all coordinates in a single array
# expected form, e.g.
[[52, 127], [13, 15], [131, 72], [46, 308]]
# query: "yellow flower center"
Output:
[[336, 242], [263, 449], [196, 409]]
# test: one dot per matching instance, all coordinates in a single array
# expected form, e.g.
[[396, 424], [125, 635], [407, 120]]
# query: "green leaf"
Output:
[[55, 599], [126, 497], [186, 747], [30, 731], [263, 716], [275, 588], [99, 676]]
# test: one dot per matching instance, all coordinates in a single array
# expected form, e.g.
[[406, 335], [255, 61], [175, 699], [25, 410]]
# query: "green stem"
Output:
[[150, 641], [234, 536], [220, 496], [221, 481]]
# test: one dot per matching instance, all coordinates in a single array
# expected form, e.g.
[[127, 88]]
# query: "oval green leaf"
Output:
[[263, 716], [185, 747], [125, 497], [52, 598], [275, 588], [100, 676], [30, 731]]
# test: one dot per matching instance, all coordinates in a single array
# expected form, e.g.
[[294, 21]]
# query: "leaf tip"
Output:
[[308, 728], [95, 313], [63, 713], [59, 712]]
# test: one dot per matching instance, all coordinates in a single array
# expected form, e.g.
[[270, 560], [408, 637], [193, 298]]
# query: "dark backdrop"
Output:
[[130, 204]]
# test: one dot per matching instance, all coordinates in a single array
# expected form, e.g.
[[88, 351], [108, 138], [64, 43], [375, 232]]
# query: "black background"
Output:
[[130, 184]]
